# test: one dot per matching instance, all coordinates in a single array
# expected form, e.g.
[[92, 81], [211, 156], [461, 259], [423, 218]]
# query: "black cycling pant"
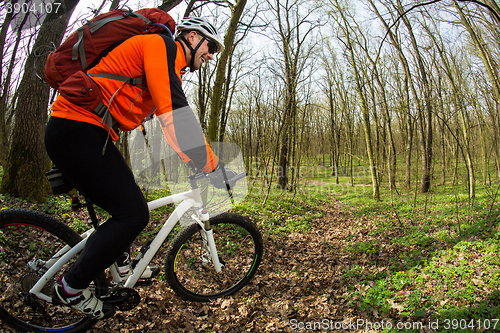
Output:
[[105, 180]]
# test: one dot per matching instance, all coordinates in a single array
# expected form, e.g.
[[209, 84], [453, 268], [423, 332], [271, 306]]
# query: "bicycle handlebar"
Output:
[[233, 180], [237, 177]]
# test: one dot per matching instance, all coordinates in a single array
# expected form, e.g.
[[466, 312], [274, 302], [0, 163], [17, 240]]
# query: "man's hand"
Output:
[[217, 177]]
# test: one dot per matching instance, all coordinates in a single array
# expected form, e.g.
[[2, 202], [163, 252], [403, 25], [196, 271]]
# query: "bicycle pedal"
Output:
[[150, 272], [144, 282]]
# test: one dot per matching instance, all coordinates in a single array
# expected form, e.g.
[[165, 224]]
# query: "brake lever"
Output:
[[228, 187]]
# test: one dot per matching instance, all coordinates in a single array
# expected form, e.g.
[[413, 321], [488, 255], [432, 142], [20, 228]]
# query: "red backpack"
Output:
[[87, 45]]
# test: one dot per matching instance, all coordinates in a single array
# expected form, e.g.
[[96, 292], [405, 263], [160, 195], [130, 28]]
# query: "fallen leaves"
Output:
[[299, 278], [304, 276]]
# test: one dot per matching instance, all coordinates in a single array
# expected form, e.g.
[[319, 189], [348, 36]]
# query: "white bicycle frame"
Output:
[[190, 199]]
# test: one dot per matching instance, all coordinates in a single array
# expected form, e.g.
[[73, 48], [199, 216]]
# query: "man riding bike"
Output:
[[77, 141]]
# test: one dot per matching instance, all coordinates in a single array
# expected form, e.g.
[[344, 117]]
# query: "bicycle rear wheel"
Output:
[[189, 269], [31, 237]]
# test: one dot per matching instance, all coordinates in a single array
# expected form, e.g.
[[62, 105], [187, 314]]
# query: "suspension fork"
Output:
[[207, 235]]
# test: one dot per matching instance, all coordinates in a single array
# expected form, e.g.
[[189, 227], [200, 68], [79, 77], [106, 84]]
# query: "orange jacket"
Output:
[[160, 60]]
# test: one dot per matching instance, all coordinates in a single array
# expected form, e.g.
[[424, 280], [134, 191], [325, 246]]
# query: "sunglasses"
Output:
[[212, 46]]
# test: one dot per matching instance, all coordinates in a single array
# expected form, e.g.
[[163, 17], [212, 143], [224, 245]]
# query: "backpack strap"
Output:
[[135, 81], [79, 48], [94, 26], [103, 111]]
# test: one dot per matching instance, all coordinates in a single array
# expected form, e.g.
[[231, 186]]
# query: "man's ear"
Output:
[[191, 37]]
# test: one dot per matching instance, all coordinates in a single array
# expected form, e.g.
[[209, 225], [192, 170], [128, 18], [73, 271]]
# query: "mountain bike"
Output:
[[209, 258]]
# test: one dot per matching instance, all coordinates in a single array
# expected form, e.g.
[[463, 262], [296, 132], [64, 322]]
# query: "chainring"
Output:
[[124, 299]]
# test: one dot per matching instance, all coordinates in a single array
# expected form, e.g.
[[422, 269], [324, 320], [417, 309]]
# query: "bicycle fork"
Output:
[[207, 235]]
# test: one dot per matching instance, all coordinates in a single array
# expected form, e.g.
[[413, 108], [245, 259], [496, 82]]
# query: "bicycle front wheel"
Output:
[[28, 239], [189, 269]]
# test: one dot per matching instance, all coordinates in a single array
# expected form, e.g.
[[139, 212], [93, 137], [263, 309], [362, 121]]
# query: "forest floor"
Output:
[[327, 267], [299, 283]]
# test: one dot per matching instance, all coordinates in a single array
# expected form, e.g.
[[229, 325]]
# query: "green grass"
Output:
[[283, 212], [447, 267], [442, 247]]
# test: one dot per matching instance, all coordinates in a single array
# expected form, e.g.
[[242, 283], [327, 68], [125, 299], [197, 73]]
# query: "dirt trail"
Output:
[[299, 283]]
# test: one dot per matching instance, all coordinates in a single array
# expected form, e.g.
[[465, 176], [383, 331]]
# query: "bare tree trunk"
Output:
[[408, 84], [489, 62], [167, 5], [214, 120], [24, 174], [291, 38], [442, 131], [114, 5], [202, 101], [482, 132], [391, 158], [495, 8], [345, 26], [285, 148], [484, 152], [5, 102], [459, 106], [409, 134], [425, 122]]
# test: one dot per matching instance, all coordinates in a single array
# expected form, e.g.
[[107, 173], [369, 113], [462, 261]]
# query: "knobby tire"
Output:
[[191, 274]]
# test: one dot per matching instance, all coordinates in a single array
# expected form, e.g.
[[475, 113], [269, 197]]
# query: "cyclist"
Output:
[[77, 143]]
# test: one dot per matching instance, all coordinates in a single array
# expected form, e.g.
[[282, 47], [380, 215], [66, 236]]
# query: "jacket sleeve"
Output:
[[178, 121]]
